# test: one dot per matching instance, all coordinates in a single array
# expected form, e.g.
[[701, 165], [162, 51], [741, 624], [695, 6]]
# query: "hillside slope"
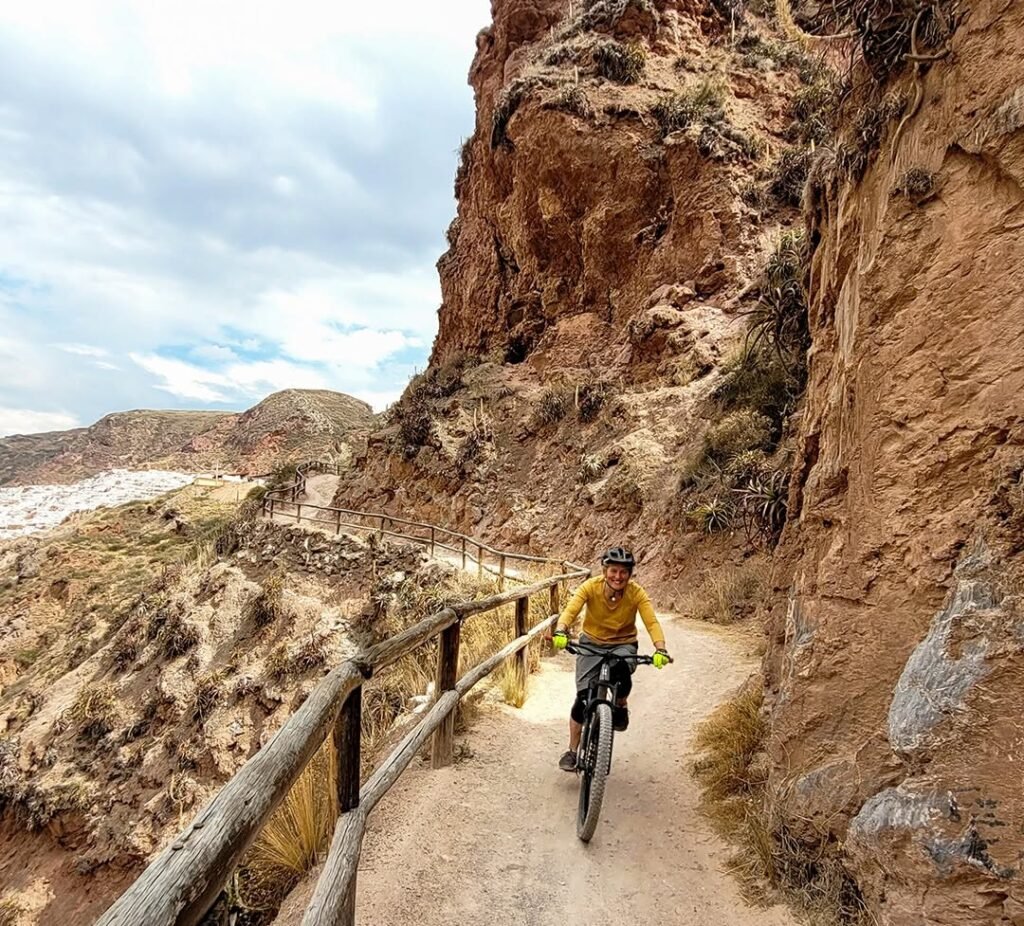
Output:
[[285, 427]]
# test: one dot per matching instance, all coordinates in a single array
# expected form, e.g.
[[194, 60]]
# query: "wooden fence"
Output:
[[286, 502], [182, 883]]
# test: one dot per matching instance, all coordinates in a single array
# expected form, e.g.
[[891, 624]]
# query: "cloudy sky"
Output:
[[203, 202]]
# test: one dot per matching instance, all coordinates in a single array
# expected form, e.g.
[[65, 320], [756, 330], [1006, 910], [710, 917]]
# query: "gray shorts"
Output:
[[588, 667]]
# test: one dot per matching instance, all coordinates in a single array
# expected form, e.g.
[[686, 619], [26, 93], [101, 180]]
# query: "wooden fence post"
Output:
[[431, 541], [479, 561], [447, 675], [271, 506], [298, 512], [520, 666], [337, 518], [501, 573], [463, 553], [347, 733], [554, 607]]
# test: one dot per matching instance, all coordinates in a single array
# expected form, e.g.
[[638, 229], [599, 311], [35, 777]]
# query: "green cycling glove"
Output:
[[559, 639], [661, 659]]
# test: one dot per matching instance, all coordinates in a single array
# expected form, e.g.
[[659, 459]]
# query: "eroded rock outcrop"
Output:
[[896, 670]]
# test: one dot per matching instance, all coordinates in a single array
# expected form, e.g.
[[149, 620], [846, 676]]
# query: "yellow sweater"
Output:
[[608, 623]]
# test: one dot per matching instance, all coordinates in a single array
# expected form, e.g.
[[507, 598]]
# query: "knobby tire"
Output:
[[595, 773]]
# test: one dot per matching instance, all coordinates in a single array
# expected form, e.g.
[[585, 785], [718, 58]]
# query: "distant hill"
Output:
[[285, 427]]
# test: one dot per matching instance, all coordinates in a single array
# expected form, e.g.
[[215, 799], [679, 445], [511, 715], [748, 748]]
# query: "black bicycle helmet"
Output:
[[619, 556]]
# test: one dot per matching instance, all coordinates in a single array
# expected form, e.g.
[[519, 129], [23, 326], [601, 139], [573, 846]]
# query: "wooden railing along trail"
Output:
[[286, 502], [182, 883]]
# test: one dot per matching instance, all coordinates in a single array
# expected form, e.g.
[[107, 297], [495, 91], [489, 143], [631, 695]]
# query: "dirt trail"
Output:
[[492, 839]]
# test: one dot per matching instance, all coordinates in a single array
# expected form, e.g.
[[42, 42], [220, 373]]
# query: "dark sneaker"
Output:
[[568, 762], [620, 718]]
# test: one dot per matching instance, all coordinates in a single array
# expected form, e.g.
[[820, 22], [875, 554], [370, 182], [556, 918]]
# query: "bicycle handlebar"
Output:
[[578, 648]]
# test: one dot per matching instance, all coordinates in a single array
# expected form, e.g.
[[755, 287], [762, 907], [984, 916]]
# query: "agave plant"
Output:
[[763, 503], [714, 515]]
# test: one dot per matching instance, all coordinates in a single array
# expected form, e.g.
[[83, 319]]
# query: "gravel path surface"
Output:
[[492, 839]]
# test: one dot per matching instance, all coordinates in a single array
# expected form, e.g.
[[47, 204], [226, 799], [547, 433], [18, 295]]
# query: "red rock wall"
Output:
[[896, 670]]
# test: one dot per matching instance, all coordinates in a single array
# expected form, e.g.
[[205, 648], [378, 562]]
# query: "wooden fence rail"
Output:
[[181, 883], [284, 502]]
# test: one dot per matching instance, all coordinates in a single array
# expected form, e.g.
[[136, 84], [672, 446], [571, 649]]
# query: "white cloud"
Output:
[[185, 380], [242, 381], [83, 350], [259, 213], [26, 421]]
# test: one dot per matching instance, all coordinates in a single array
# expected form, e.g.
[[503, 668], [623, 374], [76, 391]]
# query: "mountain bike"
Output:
[[594, 756]]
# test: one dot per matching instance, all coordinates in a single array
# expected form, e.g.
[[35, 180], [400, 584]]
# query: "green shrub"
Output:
[[760, 380], [815, 108], [621, 63], [788, 175], [780, 318], [701, 104], [764, 505], [736, 433]]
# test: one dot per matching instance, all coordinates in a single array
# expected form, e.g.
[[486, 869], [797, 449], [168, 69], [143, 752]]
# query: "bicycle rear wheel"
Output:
[[597, 764]]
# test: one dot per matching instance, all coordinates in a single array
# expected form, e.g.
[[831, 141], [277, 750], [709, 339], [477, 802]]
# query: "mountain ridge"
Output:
[[282, 428]]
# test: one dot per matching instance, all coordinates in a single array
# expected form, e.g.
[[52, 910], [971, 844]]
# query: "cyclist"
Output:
[[612, 601]]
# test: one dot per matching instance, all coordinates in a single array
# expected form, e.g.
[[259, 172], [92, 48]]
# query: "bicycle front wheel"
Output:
[[597, 764]]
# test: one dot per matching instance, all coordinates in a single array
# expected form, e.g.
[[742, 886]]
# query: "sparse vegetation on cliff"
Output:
[[619, 62]]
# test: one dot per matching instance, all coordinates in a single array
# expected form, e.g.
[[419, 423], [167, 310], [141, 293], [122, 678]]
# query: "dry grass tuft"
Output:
[[732, 772], [312, 653], [296, 836], [916, 184], [208, 694], [505, 108], [95, 711], [728, 741], [11, 910], [572, 99], [553, 406], [618, 62], [727, 595], [592, 465], [267, 605], [126, 645], [701, 104], [178, 636]]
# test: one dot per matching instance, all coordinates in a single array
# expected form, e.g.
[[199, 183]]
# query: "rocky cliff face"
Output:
[[288, 426], [896, 668], [589, 290], [608, 234]]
